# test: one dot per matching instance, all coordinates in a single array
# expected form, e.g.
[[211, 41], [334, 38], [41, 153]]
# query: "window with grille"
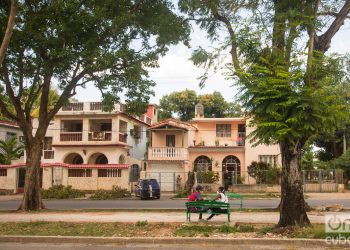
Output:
[[9, 135], [269, 159], [79, 172], [109, 172], [47, 148], [3, 172], [48, 143], [223, 130]]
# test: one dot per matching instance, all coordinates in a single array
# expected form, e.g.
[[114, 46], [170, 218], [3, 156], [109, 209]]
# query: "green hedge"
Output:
[[115, 193], [61, 192]]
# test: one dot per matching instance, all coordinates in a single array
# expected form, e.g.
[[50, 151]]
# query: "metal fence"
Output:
[[168, 181], [322, 180], [313, 180]]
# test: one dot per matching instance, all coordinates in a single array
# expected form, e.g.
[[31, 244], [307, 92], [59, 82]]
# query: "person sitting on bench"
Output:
[[196, 196], [220, 197]]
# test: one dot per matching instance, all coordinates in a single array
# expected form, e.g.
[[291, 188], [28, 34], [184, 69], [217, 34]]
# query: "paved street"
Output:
[[194, 246], [163, 203]]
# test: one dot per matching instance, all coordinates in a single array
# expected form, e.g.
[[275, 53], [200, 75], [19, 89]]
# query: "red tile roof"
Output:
[[174, 123], [10, 124]]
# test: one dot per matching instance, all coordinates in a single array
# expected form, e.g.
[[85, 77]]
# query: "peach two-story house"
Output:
[[203, 144]]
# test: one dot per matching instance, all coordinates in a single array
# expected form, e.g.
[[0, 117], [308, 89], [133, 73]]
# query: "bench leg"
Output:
[[188, 217]]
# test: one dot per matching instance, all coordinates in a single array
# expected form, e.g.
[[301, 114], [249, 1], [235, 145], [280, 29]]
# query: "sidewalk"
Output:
[[316, 196], [132, 217]]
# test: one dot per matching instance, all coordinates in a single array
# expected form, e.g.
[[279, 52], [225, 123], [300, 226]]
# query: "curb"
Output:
[[167, 240]]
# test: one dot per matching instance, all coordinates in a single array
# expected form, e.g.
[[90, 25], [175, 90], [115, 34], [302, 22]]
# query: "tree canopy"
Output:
[[182, 104], [278, 58], [71, 43]]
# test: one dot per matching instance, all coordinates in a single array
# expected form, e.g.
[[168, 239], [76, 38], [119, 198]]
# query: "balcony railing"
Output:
[[170, 153], [76, 106], [123, 137], [96, 106], [49, 154], [90, 106], [71, 136], [100, 136]]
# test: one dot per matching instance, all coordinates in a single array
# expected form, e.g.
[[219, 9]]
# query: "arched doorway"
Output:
[[134, 173], [121, 159], [98, 158], [202, 163], [74, 159], [231, 168], [203, 168]]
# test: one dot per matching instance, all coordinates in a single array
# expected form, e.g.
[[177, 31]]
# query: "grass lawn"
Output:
[[145, 229]]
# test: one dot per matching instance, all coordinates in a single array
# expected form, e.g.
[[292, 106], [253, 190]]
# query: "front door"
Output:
[[20, 181]]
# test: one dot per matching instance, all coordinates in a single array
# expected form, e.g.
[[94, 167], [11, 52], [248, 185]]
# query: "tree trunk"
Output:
[[292, 206], [32, 195]]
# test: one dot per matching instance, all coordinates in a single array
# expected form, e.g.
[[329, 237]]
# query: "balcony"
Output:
[[71, 136], [100, 136], [167, 153], [89, 107]]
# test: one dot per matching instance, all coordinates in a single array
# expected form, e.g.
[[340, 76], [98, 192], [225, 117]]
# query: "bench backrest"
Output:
[[207, 204]]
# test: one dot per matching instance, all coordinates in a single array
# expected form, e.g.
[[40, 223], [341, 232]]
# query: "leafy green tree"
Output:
[[343, 162], [182, 104], [10, 150], [71, 43], [289, 92], [179, 104], [234, 109], [12, 7], [214, 104], [307, 159]]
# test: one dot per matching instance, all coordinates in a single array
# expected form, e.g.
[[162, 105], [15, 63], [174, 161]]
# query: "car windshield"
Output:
[[152, 182]]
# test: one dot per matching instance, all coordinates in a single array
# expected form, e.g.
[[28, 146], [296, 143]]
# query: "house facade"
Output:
[[7, 176], [214, 145], [90, 149]]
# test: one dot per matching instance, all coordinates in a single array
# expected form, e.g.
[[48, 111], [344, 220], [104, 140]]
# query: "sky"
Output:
[[176, 71]]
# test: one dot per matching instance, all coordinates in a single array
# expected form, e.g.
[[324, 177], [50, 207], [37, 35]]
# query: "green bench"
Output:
[[238, 199], [203, 207]]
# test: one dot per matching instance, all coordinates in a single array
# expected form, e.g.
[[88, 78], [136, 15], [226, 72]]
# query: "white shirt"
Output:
[[223, 198]]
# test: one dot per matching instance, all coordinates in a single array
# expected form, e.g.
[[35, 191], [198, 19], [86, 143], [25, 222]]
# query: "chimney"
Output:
[[199, 111]]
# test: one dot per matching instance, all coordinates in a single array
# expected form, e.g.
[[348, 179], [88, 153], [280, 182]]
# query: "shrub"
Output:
[[181, 194], [273, 176], [61, 192], [115, 193], [207, 177], [264, 173], [142, 223], [258, 171]]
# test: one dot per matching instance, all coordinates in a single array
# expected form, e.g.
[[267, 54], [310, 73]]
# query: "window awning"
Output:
[[45, 165]]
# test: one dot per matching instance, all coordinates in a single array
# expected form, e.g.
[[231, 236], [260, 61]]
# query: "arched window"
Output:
[[202, 163], [74, 158], [121, 159], [231, 163], [101, 159]]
